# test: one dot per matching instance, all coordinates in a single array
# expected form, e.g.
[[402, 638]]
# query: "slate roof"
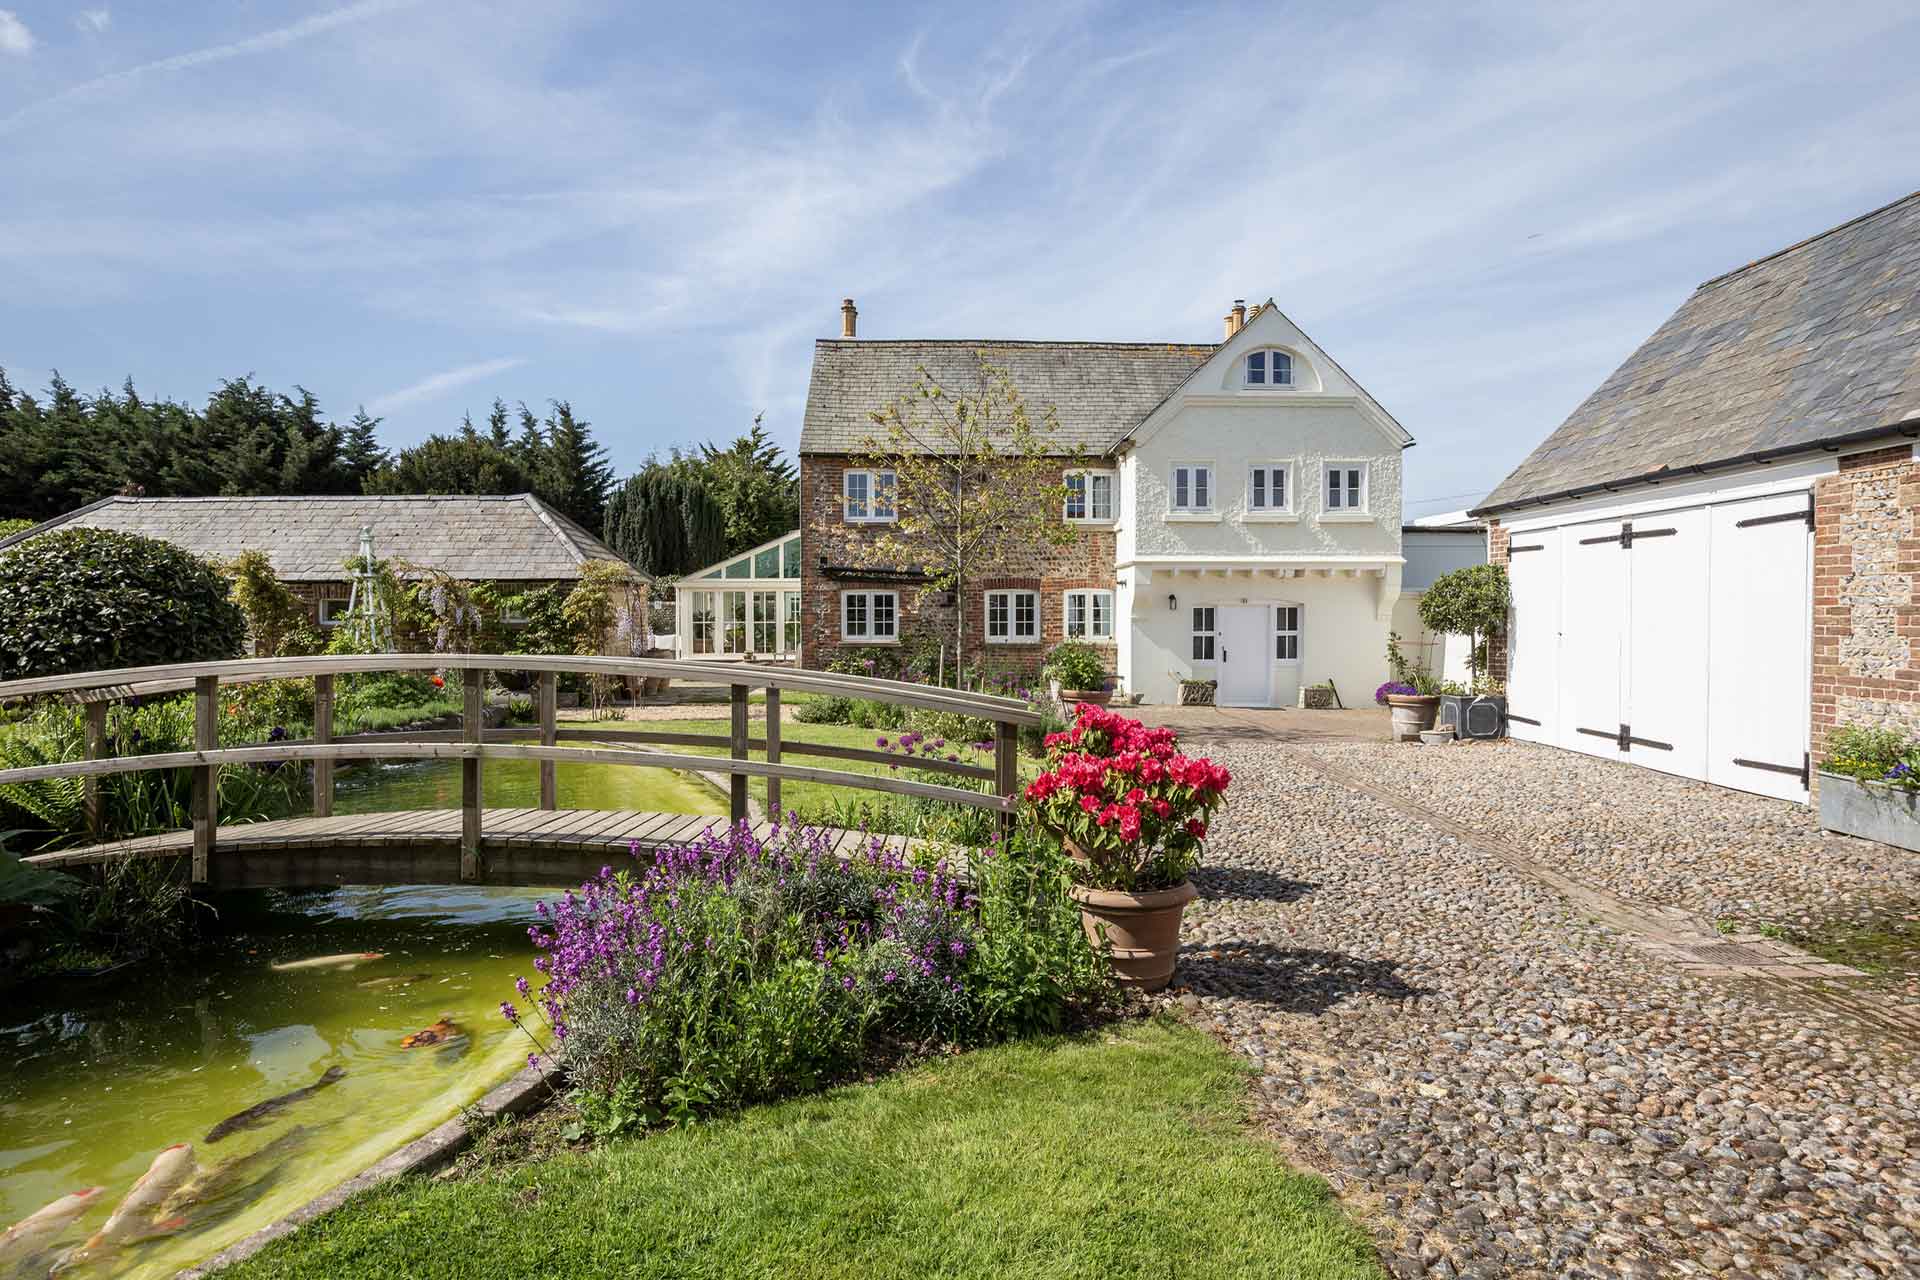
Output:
[[1817, 343], [513, 538], [1098, 390]]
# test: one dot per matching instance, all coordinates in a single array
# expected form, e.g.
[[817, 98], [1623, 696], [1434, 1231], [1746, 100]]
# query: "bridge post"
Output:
[[96, 749], [1006, 770], [545, 699], [323, 734], [206, 790], [737, 787], [773, 752], [472, 715]]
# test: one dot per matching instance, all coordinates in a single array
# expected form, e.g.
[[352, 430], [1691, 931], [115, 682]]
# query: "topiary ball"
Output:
[[91, 599]]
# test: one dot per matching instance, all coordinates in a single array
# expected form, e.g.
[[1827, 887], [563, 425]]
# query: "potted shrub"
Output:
[[1870, 785], [1412, 694], [1080, 671], [1131, 810], [1472, 602]]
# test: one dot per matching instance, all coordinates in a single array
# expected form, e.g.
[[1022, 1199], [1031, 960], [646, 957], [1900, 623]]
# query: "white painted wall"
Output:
[[1342, 633], [1442, 654]]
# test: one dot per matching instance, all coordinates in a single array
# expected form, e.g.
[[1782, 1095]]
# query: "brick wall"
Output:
[[1866, 561], [1499, 539], [1086, 563]]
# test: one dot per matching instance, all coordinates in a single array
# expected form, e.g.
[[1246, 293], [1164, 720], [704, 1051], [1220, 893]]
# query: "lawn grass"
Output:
[[1117, 1153], [803, 797]]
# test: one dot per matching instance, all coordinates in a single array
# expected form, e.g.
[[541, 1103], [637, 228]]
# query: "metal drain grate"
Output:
[[1730, 953]]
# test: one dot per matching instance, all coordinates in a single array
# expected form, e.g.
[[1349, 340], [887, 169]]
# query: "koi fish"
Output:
[[219, 1187], [346, 960], [40, 1228], [443, 1032], [132, 1218], [256, 1115]]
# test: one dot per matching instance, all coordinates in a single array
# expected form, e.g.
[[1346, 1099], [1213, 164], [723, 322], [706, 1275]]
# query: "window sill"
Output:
[[868, 640], [1014, 644], [1102, 642], [872, 520], [1090, 523], [1269, 517], [1192, 517], [1345, 517]]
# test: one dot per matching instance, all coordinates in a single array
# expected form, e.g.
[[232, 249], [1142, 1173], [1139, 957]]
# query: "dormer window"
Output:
[[1269, 369]]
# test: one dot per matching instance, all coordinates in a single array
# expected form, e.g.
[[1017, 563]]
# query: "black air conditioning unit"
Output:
[[1473, 716]]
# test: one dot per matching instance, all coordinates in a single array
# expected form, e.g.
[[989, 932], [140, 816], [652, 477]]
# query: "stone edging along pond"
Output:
[[528, 1090]]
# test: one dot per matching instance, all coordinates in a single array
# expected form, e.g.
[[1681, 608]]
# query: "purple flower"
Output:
[[510, 1013]]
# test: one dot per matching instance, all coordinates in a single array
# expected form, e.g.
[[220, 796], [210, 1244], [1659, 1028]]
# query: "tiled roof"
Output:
[[1098, 390], [1818, 342], [308, 539]]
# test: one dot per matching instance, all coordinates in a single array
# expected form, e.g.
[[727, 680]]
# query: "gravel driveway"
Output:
[[1500, 1087]]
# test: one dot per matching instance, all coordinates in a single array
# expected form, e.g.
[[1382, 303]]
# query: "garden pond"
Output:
[[105, 1074]]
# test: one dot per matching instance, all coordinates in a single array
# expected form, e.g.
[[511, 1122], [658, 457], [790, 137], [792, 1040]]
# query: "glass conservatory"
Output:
[[746, 604]]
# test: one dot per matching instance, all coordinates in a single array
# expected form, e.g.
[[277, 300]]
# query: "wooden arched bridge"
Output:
[[474, 845]]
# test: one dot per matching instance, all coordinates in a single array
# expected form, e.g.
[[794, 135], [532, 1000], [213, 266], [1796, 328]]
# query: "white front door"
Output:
[[1246, 658]]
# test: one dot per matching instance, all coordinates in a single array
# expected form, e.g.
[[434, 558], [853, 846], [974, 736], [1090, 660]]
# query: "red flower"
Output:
[[1161, 808], [1196, 828], [439, 682], [1090, 803]]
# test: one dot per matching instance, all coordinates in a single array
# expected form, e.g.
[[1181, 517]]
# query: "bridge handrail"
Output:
[[123, 682], [97, 688]]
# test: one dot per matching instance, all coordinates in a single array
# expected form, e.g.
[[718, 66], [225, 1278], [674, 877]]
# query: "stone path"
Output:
[[1488, 1053]]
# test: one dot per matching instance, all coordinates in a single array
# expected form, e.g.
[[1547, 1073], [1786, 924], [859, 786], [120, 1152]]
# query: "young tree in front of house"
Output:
[[1471, 602], [977, 485]]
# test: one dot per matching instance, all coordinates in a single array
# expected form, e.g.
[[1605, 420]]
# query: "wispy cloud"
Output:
[[94, 20], [14, 36], [429, 387], [265, 42]]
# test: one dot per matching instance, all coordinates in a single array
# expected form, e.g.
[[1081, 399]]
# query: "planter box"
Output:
[[1097, 697], [1870, 810], [1316, 698], [1473, 715], [1197, 693]]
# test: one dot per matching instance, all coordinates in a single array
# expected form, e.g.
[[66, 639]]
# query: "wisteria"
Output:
[[735, 968]]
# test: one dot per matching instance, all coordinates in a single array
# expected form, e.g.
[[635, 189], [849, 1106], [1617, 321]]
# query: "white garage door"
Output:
[[1677, 640]]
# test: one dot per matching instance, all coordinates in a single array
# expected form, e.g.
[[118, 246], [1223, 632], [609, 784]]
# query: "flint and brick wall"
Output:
[[1866, 616], [1087, 563]]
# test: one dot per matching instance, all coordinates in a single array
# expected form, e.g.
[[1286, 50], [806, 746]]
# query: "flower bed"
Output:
[[734, 970]]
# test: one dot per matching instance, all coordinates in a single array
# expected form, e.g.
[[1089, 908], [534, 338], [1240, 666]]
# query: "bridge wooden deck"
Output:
[[543, 847]]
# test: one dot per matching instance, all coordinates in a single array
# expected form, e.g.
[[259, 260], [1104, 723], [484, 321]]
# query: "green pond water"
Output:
[[100, 1076]]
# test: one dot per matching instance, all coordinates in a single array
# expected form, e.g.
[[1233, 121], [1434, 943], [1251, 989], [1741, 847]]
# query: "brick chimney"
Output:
[[849, 314]]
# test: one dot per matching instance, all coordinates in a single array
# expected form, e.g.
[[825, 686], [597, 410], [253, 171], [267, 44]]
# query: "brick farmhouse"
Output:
[[1236, 509], [1714, 558]]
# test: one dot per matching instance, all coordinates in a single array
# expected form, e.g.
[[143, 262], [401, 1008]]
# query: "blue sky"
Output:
[[1478, 209]]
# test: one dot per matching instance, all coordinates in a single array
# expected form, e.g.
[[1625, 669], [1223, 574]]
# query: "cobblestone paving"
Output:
[[1500, 1084]]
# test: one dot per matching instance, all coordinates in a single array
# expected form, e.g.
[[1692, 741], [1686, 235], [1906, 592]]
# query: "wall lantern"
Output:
[[1173, 603]]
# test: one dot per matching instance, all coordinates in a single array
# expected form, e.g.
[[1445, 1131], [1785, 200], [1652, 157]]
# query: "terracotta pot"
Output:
[[1142, 930], [1413, 714], [1098, 697]]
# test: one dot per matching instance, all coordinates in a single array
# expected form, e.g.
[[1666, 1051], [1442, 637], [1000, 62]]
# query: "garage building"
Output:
[[1714, 559]]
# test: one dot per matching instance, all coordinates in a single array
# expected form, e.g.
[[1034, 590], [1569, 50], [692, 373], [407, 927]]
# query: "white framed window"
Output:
[[1203, 633], [1346, 486], [1089, 497], [1270, 487], [733, 621], [333, 612], [1013, 617], [1088, 615], [1269, 368], [766, 622], [1193, 486], [790, 608], [868, 496], [870, 616], [702, 617], [512, 617], [1286, 633]]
